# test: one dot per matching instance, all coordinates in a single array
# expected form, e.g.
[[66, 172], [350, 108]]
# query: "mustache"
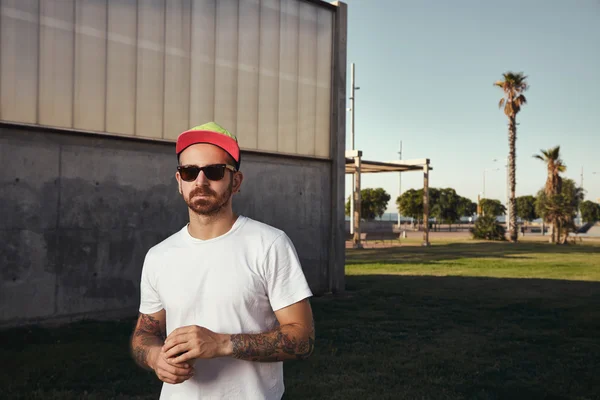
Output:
[[202, 191]]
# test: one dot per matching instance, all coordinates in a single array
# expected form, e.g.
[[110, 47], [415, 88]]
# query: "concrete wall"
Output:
[[78, 213]]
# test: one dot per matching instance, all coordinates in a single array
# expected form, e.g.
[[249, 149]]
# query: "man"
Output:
[[223, 301]]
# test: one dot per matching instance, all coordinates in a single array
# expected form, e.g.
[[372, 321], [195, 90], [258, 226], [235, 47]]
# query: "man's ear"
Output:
[[238, 178], [178, 177]]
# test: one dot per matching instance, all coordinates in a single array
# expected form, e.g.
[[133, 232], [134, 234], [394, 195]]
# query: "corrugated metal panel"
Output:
[[177, 68], [323, 103], [90, 64], [307, 77], [121, 66], [268, 85], [57, 44], [227, 64], [150, 68], [202, 105], [248, 62], [288, 77], [19, 49]]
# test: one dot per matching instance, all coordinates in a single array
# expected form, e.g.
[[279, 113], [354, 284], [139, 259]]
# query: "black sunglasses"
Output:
[[214, 172]]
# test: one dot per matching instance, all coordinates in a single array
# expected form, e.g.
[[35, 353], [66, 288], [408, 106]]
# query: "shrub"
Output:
[[487, 228]]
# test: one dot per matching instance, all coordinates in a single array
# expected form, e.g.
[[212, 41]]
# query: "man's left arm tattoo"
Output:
[[283, 343]]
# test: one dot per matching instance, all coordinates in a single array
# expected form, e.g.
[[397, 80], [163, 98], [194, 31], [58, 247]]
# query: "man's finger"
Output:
[[179, 371], [175, 378], [188, 355], [174, 364], [167, 377], [175, 340], [178, 349]]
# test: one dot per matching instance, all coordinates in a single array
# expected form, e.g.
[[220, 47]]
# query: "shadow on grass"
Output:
[[409, 337], [453, 251], [386, 337]]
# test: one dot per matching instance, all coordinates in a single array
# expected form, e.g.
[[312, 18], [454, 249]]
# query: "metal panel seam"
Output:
[[164, 49], [137, 56], [106, 67], [74, 64], [39, 59]]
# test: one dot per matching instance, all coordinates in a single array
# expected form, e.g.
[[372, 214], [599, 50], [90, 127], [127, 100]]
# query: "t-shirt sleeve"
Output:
[[285, 280], [150, 302]]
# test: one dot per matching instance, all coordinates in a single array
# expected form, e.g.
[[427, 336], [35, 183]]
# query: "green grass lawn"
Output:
[[460, 320]]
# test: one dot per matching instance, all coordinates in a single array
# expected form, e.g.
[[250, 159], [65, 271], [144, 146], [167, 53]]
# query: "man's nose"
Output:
[[201, 179]]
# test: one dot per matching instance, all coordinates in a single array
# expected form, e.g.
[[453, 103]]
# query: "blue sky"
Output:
[[426, 71]]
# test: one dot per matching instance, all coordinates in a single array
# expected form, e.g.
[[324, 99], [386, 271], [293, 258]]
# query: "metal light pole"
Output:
[[485, 169], [352, 91], [597, 200], [582, 190]]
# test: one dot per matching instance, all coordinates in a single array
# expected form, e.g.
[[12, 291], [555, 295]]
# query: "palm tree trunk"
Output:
[[512, 156]]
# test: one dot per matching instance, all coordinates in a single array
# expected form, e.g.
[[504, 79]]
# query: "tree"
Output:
[[445, 206], [561, 208], [488, 228], [555, 166], [513, 86], [466, 207], [526, 208], [373, 203], [410, 204], [492, 207], [590, 212]]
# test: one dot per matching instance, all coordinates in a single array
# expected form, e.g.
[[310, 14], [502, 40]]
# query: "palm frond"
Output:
[[501, 103], [520, 100]]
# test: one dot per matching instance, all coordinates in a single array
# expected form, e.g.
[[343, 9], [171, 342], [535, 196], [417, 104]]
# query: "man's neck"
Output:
[[209, 227]]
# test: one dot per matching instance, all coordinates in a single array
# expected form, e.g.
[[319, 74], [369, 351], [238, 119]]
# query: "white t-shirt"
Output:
[[230, 284]]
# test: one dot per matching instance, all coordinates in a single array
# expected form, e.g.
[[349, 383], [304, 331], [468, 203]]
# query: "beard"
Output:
[[212, 204]]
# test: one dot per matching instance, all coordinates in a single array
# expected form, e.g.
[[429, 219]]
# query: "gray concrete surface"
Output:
[[594, 231], [78, 213]]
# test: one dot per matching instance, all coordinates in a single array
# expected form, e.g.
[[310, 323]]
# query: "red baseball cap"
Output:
[[211, 133]]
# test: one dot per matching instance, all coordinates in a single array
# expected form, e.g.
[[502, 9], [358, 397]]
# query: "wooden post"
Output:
[[357, 200], [426, 204]]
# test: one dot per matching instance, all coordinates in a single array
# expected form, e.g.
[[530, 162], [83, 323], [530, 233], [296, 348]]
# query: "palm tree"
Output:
[[553, 187], [513, 86], [555, 166], [561, 209]]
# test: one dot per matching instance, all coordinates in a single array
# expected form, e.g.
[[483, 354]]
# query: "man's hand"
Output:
[[169, 372], [192, 342]]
